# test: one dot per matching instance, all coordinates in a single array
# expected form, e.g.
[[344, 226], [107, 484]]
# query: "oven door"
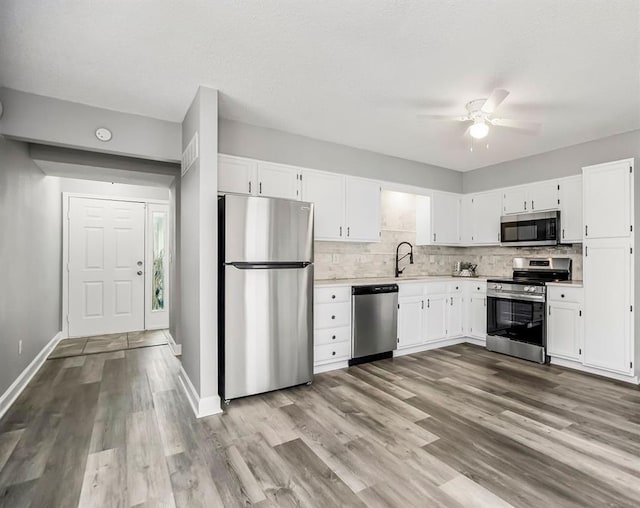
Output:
[[530, 229], [517, 317]]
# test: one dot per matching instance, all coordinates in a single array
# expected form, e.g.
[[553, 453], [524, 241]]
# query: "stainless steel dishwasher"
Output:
[[374, 322]]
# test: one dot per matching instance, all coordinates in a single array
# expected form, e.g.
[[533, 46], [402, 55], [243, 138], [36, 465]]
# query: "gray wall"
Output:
[[30, 259], [236, 138], [555, 164], [52, 121], [198, 324]]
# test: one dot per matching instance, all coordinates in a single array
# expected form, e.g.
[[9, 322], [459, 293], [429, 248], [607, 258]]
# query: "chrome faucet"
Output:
[[410, 254]]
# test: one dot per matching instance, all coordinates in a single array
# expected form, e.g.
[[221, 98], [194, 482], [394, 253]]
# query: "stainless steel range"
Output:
[[516, 307]]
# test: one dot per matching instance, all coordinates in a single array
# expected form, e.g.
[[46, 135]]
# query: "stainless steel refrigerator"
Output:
[[266, 294]]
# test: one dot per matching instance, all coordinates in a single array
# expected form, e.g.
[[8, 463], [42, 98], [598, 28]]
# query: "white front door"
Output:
[[106, 266]]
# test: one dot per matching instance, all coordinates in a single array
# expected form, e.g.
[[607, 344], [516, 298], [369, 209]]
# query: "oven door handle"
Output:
[[519, 296]]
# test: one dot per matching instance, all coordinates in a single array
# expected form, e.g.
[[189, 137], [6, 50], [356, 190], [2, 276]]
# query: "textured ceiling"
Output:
[[351, 72]]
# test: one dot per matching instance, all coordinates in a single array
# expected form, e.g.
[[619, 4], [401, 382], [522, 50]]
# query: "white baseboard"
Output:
[[176, 348], [326, 367], [16, 388], [431, 345], [201, 406], [570, 364], [476, 340]]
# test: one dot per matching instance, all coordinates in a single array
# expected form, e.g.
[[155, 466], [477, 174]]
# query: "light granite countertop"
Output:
[[569, 283], [399, 280]]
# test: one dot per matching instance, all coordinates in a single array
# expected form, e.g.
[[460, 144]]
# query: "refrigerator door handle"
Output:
[[270, 266]]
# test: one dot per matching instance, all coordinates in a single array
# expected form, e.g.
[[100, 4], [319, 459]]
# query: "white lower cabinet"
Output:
[[435, 317], [410, 321], [430, 312], [476, 309], [608, 298], [564, 330], [332, 325]]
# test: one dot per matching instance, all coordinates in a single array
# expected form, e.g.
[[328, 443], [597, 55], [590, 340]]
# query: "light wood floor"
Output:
[[106, 343], [452, 427]]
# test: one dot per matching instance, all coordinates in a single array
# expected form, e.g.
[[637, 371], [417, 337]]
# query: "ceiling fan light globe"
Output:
[[479, 130]]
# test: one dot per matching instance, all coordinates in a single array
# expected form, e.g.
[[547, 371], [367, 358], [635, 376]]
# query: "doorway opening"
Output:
[[115, 265]]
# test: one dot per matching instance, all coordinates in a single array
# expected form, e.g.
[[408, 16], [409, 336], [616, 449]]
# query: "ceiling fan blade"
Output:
[[444, 117], [494, 100], [516, 124]]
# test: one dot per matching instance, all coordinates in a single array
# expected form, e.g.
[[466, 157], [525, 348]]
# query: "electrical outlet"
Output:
[[20, 347]]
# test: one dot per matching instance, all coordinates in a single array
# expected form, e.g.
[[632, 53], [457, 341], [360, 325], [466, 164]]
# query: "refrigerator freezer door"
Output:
[[268, 329], [267, 230]]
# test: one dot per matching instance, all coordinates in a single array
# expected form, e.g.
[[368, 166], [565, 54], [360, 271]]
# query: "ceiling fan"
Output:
[[480, 112]]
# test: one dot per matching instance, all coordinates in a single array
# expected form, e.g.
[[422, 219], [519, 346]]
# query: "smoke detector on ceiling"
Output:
[[103, 134]]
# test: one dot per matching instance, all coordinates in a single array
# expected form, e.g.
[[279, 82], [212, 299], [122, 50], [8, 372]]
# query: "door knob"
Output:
[[139, 272]]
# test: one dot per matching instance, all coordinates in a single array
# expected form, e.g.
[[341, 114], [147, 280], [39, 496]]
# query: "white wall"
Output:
[[113, 189], [30, 259]]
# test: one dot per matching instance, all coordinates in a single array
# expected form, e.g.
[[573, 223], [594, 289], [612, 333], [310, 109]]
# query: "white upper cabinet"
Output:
[[327, 192], [535, 197], [543, 196], [607, 199], [514, 200], [445, 213], [467, 220], [278, 181], [236, 175], [362, 218], [484, 217], [571, 209]]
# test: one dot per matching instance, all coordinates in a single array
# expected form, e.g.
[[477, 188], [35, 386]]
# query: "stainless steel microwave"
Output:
[[530, 229]]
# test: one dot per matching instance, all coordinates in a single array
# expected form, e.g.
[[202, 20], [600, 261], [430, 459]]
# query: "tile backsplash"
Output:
[[338, 260]]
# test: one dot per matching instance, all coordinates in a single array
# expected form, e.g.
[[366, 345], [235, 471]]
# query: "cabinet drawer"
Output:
[[332, 352], [436, 288], [332, 294], [565, 294], [454, 287], [332, 335], [478, 287], [332, 315], [410, 289]]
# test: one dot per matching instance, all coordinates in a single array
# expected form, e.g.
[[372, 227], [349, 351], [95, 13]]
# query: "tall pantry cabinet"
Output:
[[608, 239]]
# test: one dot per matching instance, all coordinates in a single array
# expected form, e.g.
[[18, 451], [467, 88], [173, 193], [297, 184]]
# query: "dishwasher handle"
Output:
[[374, 289]]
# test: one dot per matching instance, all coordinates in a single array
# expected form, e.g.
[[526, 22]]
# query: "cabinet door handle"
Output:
[[434, 237], [249, 187], [333, 297], [428, 303], [348, 230], [562, 296], [340, 231], [333, 317], [260, 187], [333, 337], [485, 301], [533, 207], [563, 233], [451, 301], [549, 310], [525, 205], [586, 230], [422, 304], [333, 353]]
